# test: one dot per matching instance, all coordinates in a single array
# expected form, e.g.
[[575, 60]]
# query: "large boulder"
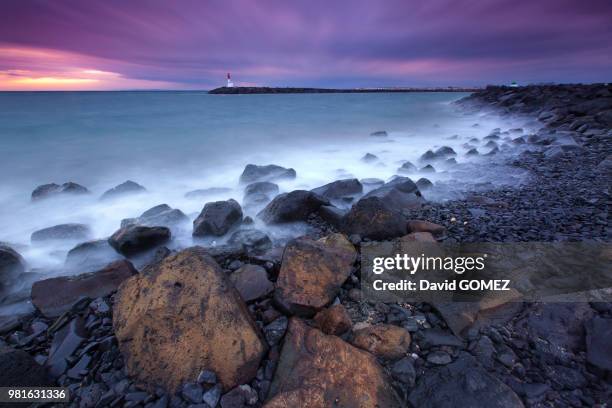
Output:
[[18, 369], [62, 232], [463, 383], [340, 189], [55, 296], [312, 272], [160, 215], [11, 266], [383, 340], [372, 218], [294, 206], [91, 255], [398, 194], [270, 172], [217, 218], [52, 190], [125, 188], [319, 371], [184, 316], [137, 238]]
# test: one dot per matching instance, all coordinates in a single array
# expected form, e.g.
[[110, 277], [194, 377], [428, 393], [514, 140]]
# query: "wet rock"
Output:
[[312, 272], [294, 206], [445, 152], [372, 218], [11, 266], [207, 377], [418, 237], [62, 232], [340, 189], [65, 343], [319, 371], [436, 337], [217, 218], [182, 316], [54, 296], [383, 340], [436, 230], [472, 152], [428, 169], [464, 383], [275, 331], [407, 167], [372, 182], [428, 156], [161, 215], [380, 133], [598, 334], [439, 358], [270, 172], [18, 369], [252, 282], [423, 184], [334, 320], [91, 255], [261, 187], [137, 238], [123, 189], [192, 392], [212, 396], [398, 194], [369, 158], [251, 240], [450, 162], [53, 190], [207, 192]]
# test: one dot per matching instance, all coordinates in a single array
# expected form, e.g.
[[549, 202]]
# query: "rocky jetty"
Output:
[[257, 321]]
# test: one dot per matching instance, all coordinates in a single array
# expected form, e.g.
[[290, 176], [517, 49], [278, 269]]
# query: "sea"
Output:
[[175, 142]]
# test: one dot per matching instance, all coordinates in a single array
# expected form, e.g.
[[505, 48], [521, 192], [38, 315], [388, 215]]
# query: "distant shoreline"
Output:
[[244, 90]]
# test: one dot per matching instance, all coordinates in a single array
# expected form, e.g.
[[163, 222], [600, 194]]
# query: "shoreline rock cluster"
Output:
[[258, 323]]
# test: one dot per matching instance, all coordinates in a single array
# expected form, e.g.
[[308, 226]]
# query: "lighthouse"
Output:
[[230, 84]]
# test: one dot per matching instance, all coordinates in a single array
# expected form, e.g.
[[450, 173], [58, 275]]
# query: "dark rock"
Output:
[[65, 343], [239, 397], [428, 169], [51, 190], [383, 340], [137, 238], [294, 206], [403, 371], [398, 194], [263, 187], [251, 240], [423, 184], [125, 188], [334, 320], [372, 218], [161, 215], [340, 189], [212, 396], [207, 377], [372, 182], [436, 337], [217, 218], [270, 172], [332, 215], [62, 232], [369, 158], [55, 296], [11, 266], [464, 383], [207, 192], [428, 156], [318, 370], [436, 230], [407, 167], [439, 358], [598, 335], [450, 162], [312, 272], [91, 255], [444, 152], [252, 282], [184, 315], [275, 331], [192, 392], [472, 152], [380, 133], [18, 369]]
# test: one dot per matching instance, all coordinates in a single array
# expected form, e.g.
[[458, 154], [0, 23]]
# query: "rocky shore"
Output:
[[244, 90], [255, 322]]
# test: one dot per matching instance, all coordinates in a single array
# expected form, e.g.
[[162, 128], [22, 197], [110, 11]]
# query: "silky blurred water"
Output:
[[175, 142]]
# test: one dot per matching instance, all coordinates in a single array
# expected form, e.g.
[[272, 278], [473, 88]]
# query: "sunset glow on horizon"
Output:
[[73, 45]]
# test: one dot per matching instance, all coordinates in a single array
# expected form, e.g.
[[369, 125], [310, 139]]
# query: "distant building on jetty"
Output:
[[230, 84]]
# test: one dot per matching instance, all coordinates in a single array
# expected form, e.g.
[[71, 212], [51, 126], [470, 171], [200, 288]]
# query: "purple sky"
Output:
[[102, 44]]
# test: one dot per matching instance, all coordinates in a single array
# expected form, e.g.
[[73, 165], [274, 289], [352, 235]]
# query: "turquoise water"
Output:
[[175, 142]]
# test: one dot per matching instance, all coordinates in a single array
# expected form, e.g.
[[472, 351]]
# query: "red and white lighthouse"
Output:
[[230, 84]]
